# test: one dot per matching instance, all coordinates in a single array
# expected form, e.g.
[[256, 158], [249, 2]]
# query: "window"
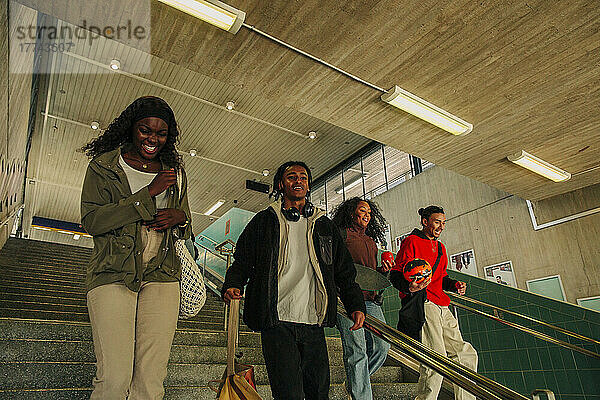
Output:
[[317, 197], [376, 171], [550, 286], [353, 181], [374, 174], [397, 165], [593, 303], [335, 194]]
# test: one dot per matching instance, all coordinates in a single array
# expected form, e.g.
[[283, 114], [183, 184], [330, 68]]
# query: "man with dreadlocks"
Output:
[[295, 263], [362, 224]]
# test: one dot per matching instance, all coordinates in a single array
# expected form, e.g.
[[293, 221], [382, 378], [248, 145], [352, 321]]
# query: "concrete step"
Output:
[[41, 254], [28, 329], [82, 316], [208, 314], [26, 296], [43, 298], [23, 281], [46, 375], [28, 257], [29, 268], [201, 321], [390, 391], [44, 290], [44, 350], [40, 247]]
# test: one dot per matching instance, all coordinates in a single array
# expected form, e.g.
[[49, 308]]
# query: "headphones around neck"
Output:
[[293, 214]]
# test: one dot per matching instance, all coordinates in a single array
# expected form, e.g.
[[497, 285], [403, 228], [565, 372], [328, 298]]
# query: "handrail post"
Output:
[[226, 249], [228, 263], [536, 394]]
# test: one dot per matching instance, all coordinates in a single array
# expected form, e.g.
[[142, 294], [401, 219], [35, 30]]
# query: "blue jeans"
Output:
[[364, 353]]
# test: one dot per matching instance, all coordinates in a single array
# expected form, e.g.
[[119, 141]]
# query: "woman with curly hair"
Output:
[[135, 208], [362, 225]]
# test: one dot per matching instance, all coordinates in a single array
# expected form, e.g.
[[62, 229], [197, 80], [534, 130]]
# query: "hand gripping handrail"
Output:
[[530, 331], [462, 376], [526, 317]]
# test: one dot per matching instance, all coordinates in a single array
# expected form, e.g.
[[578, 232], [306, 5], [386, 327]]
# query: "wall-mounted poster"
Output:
[[501, 273], [399, 240], [464, 262]]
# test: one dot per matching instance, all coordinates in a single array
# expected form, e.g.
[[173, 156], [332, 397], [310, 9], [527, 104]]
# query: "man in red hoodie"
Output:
[[440, 329]]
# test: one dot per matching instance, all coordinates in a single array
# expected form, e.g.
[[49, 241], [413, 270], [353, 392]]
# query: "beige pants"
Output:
[[132, 335], [441, 334]]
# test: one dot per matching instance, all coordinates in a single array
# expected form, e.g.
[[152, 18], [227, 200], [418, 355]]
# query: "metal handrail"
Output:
[[458, 374], [212, 252], [530, 331], [528, 318], [209, 239], [462, 376]]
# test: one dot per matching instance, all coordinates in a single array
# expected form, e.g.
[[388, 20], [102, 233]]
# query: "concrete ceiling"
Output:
[[525, 74]]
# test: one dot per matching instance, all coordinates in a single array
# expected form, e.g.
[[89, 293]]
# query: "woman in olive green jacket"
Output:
[[135, 207]]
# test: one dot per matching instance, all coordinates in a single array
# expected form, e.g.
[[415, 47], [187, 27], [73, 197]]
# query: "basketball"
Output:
[[417, 270]]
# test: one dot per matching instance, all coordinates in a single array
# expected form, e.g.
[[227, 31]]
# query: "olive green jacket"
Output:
[[114, 216]]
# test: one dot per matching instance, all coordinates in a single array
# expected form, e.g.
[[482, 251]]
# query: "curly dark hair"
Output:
[[276, 192], [343, 217], [119, 132]]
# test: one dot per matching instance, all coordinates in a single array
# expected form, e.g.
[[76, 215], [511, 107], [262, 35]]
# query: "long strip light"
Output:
[[214, 12], [420, 108], [539, 166], [214, 207]]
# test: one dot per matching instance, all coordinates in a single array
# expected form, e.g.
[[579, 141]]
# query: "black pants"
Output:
[[297, 361]]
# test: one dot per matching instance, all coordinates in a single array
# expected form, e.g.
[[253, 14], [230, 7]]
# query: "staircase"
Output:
[[46, 349]]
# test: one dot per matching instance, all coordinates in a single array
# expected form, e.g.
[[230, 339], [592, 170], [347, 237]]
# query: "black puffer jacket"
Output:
[[256, 257]]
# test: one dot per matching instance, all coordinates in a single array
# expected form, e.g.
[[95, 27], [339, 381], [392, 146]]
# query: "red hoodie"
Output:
[[417, 245]]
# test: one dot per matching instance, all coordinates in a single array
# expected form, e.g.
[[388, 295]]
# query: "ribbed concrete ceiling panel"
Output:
[[255, 136], [527, 75]]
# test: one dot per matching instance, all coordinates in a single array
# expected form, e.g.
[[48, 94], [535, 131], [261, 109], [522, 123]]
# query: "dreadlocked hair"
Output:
[[119, 133], [343, 217], [276, 193]]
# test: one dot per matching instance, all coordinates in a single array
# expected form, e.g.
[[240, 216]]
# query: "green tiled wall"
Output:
[[516, 359]]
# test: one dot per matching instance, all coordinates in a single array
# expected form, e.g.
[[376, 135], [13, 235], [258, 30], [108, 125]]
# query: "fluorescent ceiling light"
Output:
[[539, 166], [420, 108], [214, 12], [214, 207], [349, 185]]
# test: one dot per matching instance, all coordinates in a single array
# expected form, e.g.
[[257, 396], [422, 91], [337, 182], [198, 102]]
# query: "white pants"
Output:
[[441, 333], [132, 334]]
